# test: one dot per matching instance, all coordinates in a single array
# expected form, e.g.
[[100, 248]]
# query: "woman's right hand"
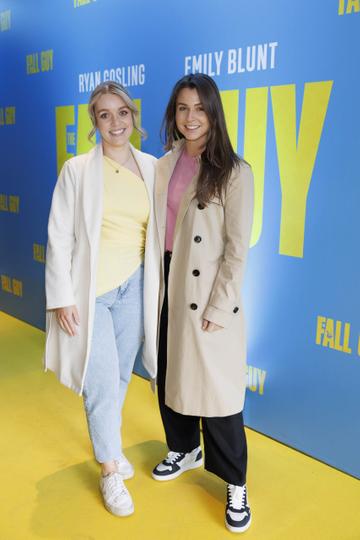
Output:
[[68, 319]]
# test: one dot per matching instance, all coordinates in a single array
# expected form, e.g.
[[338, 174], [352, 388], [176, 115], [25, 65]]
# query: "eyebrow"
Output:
[[181, 103], [119, 109]]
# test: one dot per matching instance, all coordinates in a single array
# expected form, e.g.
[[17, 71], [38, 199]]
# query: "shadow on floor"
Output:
[[215, 487], [69, 503], [63, 498]]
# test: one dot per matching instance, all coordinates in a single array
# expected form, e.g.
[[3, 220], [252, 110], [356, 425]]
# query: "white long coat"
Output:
[[71, 262], [206, 372]]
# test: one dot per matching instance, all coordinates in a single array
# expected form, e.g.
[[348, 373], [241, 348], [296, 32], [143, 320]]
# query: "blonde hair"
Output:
[[112, 87]]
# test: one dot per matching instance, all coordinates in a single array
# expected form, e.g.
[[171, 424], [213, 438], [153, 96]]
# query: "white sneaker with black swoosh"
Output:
[[176, 463]]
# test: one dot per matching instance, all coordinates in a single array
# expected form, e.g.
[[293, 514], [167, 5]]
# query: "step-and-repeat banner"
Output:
[[290, 82]]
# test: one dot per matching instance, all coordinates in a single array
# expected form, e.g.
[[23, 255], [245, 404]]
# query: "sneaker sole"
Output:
[[119, 512], [127, 476], [237, 529], [174, 475]]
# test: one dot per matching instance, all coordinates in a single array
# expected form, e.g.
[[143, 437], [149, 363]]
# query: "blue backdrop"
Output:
[[289, 78]]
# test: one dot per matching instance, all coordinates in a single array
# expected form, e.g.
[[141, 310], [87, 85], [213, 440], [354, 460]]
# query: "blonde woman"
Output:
[[101, 279]]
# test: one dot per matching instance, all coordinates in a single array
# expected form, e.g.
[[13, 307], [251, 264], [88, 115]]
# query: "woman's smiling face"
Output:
[[113, 120], [191, 119]]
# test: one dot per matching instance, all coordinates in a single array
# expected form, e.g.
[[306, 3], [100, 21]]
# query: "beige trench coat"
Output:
[[206, 372], [71, 262]]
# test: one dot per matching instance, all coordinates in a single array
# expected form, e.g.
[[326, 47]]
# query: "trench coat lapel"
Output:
[[185, 203], [166, 167], [93, 187], [144, 166], [164, 170]]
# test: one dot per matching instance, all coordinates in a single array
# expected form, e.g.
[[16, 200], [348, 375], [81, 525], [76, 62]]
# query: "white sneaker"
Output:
[[116, 497], [176, 463], [124, 467], [237, 511]]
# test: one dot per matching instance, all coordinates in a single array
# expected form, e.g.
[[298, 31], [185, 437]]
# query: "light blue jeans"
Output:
[[117, 336]]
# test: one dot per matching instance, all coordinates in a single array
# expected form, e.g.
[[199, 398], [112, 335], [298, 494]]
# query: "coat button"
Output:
[[235, 310], [193, 306], [197, 239], [196, 273], [201, 206]]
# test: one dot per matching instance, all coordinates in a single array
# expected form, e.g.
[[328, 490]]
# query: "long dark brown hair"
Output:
[[218, 158]]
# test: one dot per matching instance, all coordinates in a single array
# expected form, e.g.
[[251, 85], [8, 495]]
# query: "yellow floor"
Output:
[[49, 481]]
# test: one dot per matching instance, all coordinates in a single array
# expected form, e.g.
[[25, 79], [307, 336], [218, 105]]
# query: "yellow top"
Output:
[[123, 229]]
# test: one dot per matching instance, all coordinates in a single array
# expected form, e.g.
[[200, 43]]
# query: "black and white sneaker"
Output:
[[176, 463], [237, 514]]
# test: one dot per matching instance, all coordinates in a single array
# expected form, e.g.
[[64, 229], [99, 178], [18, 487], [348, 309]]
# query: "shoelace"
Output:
[[115, 487], [237, 496], [172, 457]]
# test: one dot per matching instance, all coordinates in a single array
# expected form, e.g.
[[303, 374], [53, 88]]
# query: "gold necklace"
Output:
[[110, 161]]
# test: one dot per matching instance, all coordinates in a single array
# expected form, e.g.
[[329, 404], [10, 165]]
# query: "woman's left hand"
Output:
[[209, 326]]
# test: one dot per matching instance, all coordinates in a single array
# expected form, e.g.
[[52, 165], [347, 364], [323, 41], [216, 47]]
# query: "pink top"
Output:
[[185, 169]]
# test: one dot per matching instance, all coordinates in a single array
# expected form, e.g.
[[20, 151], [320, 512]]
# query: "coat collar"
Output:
[[144, 165], [93, 186], [166, 166], [165, 169]]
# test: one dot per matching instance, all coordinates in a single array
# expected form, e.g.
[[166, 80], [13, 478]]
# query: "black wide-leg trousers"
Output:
[[224, 436]]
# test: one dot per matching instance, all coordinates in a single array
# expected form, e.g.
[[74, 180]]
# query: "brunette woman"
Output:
[[204, 209]]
